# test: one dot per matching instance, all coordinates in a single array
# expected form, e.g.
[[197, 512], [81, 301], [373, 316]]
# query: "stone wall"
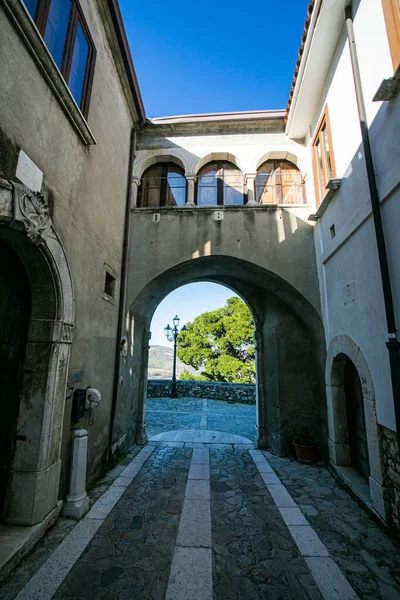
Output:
[[230, 392], [391, 470]]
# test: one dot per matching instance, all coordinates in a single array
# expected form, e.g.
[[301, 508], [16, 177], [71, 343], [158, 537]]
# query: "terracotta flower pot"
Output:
[[306, 454]]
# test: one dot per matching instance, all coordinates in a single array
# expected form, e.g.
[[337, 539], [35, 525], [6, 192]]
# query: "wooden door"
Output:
[[292, 188], [14, 319], [356, 420]]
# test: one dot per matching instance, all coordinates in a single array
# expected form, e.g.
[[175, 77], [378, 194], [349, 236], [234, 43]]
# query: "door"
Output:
[[356, 420], [14, 319]]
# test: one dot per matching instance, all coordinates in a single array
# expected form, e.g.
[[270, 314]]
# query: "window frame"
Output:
[[391, 12], [220, 177], [76, 17], [324, 122], [163, 189], [277, 175]]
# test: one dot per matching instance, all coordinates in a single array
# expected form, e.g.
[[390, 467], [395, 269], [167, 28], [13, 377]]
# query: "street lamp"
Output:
[[171, 333]]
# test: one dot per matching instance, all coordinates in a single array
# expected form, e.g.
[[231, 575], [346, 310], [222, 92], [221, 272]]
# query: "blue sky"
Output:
[[193, 57], [187, 302]]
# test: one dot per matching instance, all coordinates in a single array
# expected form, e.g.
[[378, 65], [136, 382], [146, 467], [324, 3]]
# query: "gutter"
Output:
[[119, 27], [122, 291], [392, 344]]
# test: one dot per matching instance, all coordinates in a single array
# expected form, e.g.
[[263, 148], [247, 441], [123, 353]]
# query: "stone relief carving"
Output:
[[67, 333], [32, 209]]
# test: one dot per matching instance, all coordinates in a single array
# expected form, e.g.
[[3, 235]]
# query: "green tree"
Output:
[[221, 344]]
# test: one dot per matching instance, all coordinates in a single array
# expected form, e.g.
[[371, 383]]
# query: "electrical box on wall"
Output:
[[78, 405], [219, 215]]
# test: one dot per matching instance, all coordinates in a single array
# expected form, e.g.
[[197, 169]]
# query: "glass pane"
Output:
[[151, 184], [292, 190], [56, 29], [327, 154], [176, 196], [233, 186], [31, 5], [176, 180], [207, 196], [78, 65], [320, 169]]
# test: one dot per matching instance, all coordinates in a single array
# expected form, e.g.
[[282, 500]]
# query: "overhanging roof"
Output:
[[321, 37]]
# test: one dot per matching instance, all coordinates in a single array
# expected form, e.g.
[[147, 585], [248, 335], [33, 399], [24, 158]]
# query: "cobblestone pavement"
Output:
[[215, 515], [166, 414]]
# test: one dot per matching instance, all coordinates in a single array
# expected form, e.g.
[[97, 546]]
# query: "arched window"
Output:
[[280, 182], [162, 185], [219, 183]]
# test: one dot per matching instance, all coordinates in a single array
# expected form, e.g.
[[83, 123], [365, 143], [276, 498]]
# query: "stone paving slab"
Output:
[[195, 524], [167, 414], [367, 553], [190, 575], [255, 556]]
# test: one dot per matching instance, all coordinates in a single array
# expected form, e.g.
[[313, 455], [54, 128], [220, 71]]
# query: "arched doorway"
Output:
[[15, 308], [352, 424], [41, 278], [356, 429]]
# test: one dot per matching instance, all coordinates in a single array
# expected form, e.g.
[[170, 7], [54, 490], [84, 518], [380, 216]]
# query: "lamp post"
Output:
[[171, 333]]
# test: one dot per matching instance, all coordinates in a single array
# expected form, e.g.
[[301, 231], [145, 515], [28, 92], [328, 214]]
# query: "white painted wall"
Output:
[[351, 256]]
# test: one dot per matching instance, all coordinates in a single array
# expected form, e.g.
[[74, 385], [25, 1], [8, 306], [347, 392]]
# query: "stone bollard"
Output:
[[77, 502]]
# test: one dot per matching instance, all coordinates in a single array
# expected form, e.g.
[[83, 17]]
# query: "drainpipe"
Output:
[[122, 291], [392, 344]]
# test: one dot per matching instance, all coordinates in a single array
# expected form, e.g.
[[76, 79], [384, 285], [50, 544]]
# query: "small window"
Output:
[[391, 11], [66, 35], [162, 185], [109, 283], [323, 161]]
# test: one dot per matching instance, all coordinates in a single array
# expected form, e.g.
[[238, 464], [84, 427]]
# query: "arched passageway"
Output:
[[289, 346]]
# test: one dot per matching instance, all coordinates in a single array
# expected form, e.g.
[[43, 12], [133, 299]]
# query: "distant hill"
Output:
[[161, 361]]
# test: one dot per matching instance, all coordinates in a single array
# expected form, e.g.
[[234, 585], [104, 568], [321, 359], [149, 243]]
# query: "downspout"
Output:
[[392, 343], [122, 291]]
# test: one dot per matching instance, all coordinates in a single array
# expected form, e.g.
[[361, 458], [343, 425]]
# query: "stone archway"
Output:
[[26, 226], [289, 344], [342, 349]]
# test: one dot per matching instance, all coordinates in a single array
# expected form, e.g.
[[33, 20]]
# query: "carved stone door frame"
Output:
[[26, 225]]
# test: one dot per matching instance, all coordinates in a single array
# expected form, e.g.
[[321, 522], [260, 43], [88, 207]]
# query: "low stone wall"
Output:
[[229, 392]]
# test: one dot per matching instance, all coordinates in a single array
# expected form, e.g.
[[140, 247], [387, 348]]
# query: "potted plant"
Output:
[[305, 445]]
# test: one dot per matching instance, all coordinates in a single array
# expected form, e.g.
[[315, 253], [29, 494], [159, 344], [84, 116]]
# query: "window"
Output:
[[220, 183], [162, 185], [279, 182], [65, 33], [109, 283], [323, 160], [391, 11]]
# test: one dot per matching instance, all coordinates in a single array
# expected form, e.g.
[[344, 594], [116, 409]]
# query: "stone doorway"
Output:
[[15, 308], [356, 420], [353, 430]]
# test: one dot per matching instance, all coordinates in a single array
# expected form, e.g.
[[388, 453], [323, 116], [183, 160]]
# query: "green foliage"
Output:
[[220, 343], [304, 436], [186, 376]]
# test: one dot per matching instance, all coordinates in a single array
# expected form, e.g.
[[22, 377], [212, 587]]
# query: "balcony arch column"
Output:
[[191, 182], [250, 179]]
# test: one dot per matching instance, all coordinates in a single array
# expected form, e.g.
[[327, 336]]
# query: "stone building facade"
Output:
[[104, 212], [64, 185]]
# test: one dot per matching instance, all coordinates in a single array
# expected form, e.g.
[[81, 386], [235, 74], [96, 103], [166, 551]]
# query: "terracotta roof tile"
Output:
[[300, 54]]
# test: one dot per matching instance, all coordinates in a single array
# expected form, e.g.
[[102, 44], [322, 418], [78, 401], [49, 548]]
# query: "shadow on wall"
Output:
[[289, 344]]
